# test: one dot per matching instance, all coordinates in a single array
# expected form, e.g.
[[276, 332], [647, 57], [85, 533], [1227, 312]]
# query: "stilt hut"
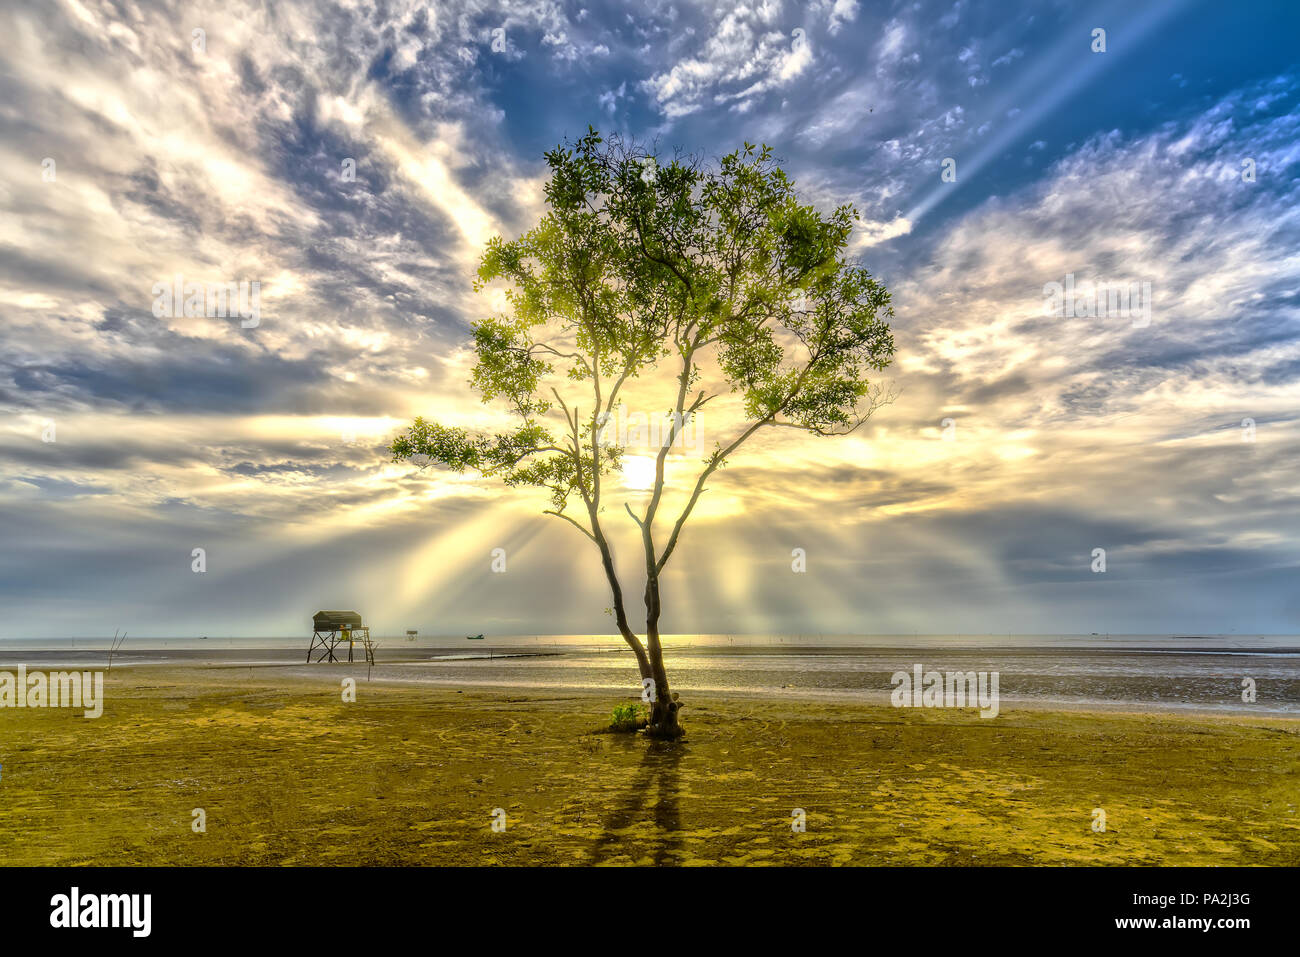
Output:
[[331, 628]]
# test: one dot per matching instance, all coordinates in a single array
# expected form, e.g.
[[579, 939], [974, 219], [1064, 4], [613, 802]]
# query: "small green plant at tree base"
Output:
[[627, 717]]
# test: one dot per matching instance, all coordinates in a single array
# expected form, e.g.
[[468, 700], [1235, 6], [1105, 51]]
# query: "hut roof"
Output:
[[334, 620]]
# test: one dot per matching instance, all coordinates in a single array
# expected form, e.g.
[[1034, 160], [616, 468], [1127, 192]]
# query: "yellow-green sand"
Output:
[[286, 772]]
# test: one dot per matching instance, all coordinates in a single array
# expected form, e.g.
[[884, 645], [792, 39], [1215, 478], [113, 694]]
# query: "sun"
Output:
[[638, 472]]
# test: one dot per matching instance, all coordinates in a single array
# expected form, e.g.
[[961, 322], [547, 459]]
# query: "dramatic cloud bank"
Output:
[[353, 158]]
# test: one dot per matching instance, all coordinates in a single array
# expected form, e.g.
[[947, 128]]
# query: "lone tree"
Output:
[[711, 271]]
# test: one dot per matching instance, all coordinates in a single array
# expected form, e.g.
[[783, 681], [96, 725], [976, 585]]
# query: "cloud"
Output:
[[740, 58], [842, 12], [870, 233], [231, 163], [1116, 417]]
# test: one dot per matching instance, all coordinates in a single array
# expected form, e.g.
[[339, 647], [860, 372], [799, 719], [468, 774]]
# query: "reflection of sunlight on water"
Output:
[[1161, 679], [768, 644], [1145, 672]]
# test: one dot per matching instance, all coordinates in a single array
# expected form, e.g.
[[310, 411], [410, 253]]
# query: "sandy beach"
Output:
[[287, 773]]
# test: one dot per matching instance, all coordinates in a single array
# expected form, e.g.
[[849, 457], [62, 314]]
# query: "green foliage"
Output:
[[626, 717], [640, 259]]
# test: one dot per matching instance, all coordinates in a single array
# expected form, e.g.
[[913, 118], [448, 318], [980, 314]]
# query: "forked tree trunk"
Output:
[[664, 722], [664, 706], [665, 709]]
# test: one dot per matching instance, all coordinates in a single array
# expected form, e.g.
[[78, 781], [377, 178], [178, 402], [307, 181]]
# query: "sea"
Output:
[[1233, 674]]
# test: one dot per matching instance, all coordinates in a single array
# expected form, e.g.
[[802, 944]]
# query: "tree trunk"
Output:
[[663, 720], [665, 710], [664, 707], [620, 615]]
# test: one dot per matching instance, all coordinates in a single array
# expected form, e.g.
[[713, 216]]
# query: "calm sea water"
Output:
[[1144, 672]]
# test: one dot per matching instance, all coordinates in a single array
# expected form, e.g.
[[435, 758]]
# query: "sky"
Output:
[[353, 158]]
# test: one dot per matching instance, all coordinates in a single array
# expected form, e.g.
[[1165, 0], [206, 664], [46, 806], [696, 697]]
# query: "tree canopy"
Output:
[[640, 266]]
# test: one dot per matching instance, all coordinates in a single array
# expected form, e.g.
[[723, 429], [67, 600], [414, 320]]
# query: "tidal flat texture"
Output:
[[286, 772]]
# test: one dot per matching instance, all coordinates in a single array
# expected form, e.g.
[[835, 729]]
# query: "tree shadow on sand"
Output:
[[652, 796]]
